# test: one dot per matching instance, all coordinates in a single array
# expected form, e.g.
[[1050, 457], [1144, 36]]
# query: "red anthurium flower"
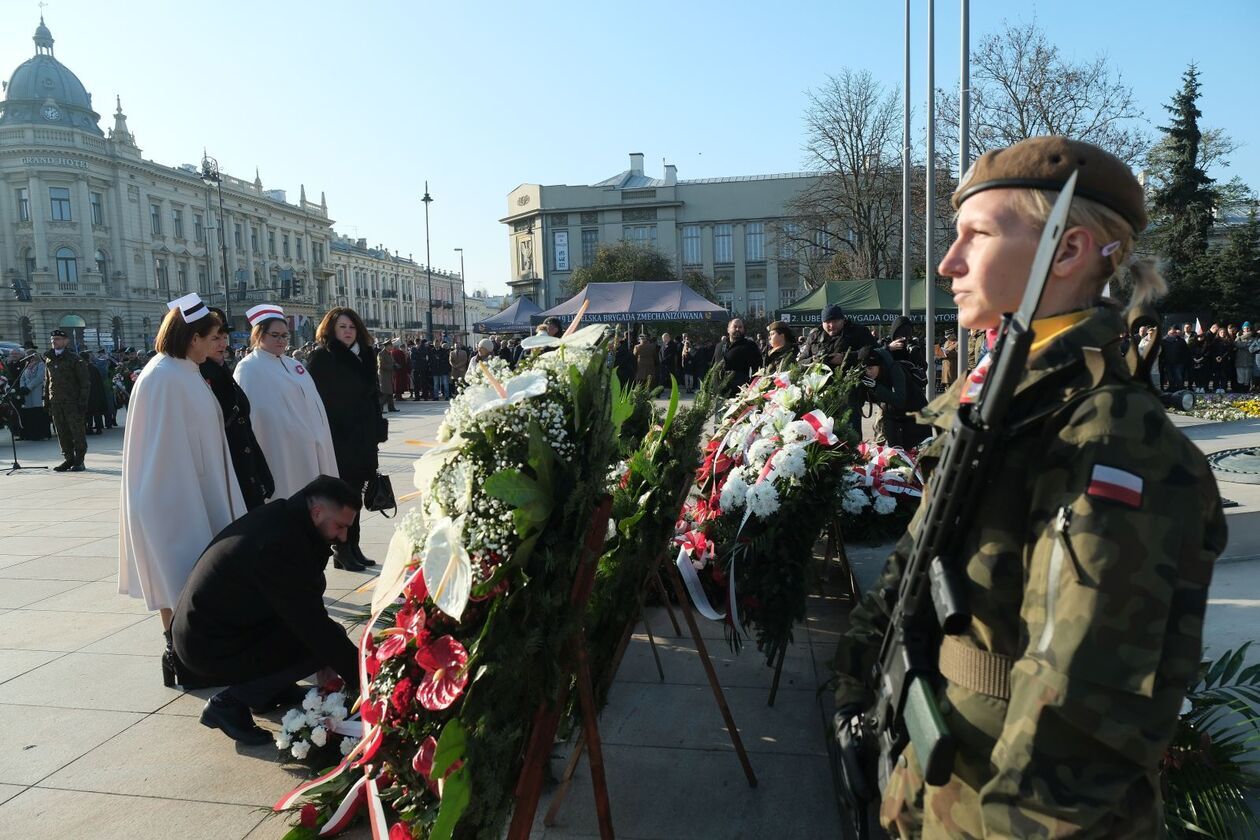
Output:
[[414, 588], [309, 816], [372, 712], [401, 698], [391, 647], [399, 831], [443, 661], [411, 618], [422, 761], [696, 544]]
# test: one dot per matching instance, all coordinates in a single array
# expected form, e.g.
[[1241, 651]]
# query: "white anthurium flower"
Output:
[[583, 338], [447, 567], [483, 398], [395, 570], [428, 465]]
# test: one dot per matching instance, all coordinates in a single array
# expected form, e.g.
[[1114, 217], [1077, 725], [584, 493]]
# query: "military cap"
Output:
[[58, 332], [1045, 163], [832, 312]]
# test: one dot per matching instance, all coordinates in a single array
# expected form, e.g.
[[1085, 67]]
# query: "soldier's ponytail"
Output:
[[1117, 264]]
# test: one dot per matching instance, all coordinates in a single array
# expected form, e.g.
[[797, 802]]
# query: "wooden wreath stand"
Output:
[[653, 582]]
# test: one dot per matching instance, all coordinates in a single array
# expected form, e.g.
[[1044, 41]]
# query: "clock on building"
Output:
[[51, 113]]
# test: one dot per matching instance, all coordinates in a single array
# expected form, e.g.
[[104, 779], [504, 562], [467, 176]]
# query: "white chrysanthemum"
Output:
[[347, 744], [293, 720], [283, 741], [797, 430], [300, 749], [319, 736], [733, 491], [763, 500], [885, 505], [761, 450], [854, 500], [312, 700], [789, 462]]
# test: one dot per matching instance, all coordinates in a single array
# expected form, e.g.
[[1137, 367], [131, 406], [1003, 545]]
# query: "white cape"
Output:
[[178, 486], [289, 420]]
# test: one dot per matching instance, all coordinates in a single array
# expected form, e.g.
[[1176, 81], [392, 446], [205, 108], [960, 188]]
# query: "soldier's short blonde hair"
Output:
[[1141, 276]]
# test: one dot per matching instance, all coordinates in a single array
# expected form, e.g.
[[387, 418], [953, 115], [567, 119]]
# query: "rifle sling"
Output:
[[976, 670]]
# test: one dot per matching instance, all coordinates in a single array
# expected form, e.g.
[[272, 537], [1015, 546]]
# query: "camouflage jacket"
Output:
[[1092, 581], [67, 381]]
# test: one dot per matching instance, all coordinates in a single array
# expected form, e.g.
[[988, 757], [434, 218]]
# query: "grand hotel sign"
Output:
[[49, 160]]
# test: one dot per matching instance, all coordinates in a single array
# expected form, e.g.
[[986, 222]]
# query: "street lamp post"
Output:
[[210, 174], [428, 263], [463, 293]]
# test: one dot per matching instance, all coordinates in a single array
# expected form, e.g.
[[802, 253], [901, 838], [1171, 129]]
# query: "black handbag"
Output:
[[378, 495]]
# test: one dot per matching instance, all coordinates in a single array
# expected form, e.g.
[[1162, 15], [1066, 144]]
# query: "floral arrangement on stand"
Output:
[[880, 493], [765, 488], [648, 487], [472, 611]]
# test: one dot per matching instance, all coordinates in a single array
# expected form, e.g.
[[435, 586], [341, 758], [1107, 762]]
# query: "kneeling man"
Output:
[[252, 614]]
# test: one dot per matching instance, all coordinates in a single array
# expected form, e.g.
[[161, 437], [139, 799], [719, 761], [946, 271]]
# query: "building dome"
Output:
[[43, 91]]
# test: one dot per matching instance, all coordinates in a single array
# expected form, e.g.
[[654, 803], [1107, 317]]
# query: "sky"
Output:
[[367, 101]]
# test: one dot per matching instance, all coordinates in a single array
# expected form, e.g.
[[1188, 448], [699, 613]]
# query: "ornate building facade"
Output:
[[96, 239], [731, 229], [391, 292]]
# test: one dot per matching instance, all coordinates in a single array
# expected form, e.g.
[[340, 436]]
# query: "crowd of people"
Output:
[[1223, 358]]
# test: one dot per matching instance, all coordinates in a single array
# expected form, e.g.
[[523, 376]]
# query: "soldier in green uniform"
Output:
[[1088, 562], [66, 388]]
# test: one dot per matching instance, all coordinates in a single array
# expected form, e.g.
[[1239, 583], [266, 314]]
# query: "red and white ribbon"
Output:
[[822, 426]]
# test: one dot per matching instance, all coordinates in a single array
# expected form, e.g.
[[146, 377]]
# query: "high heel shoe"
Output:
[[360, 558], [345, 560]]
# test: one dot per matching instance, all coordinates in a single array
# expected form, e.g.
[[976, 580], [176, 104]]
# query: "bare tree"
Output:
[[1022, 86], [847, 224]]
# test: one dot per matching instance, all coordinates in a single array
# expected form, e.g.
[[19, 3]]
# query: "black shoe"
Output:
[[345, 559], [235, 721], [168, 668], [288, 698], [360, 558], [78, 467], [63, 466]]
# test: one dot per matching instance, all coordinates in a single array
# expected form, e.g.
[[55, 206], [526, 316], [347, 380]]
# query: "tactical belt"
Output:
[[976, 670]]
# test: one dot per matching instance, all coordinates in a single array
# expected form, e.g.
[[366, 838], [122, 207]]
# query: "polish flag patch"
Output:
[[1116, 485]]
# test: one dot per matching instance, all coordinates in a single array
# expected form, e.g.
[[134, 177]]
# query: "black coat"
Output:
[[347, 384], [741, 359], [96, 404], [254, 603], [248, 461]]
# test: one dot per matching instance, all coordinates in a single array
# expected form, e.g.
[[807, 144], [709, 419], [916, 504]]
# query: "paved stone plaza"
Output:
[[92, 744]]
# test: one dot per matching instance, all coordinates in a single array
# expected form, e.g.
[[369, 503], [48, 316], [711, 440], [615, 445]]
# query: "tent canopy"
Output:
[[511, 320], [868, 302], [637, 300]]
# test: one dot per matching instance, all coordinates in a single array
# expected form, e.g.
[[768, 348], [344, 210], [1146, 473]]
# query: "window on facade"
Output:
[[177, 224], [253, 238], [722, 250], [691, 245], [159, 269], [788, 295], [590, 246], [98, 208], [271, 242], [317, 250], [640, 234], [787, 241], [199, 228], [59, 199], [757, 303], [726, 299], [181, 276], [67, 266], [30, 266], [237, 236], [100, 263], [297, 244], [284, 241], [24, 205], [203, 280], [155, 219], [754, 242]]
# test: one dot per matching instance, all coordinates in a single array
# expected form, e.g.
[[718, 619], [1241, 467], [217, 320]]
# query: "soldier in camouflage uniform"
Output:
[[66, 389], [1087, 565]]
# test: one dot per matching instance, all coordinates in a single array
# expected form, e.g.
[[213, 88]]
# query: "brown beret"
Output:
[[1045, 163]]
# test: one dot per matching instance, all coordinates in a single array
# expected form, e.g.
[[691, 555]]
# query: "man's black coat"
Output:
[[254, 604]]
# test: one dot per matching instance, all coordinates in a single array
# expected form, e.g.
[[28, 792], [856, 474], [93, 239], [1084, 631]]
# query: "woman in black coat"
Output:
[[248, 461], [97, 408], [343, 366]]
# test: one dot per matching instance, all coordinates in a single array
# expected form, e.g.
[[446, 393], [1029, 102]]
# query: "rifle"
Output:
[[931, 598]]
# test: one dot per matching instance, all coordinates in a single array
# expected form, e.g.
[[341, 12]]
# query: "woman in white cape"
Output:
[[178, 486], [286, 410]]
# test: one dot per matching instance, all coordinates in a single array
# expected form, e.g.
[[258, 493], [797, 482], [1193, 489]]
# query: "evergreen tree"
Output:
[[1237, 269], [1182, 207], [630, 261]]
